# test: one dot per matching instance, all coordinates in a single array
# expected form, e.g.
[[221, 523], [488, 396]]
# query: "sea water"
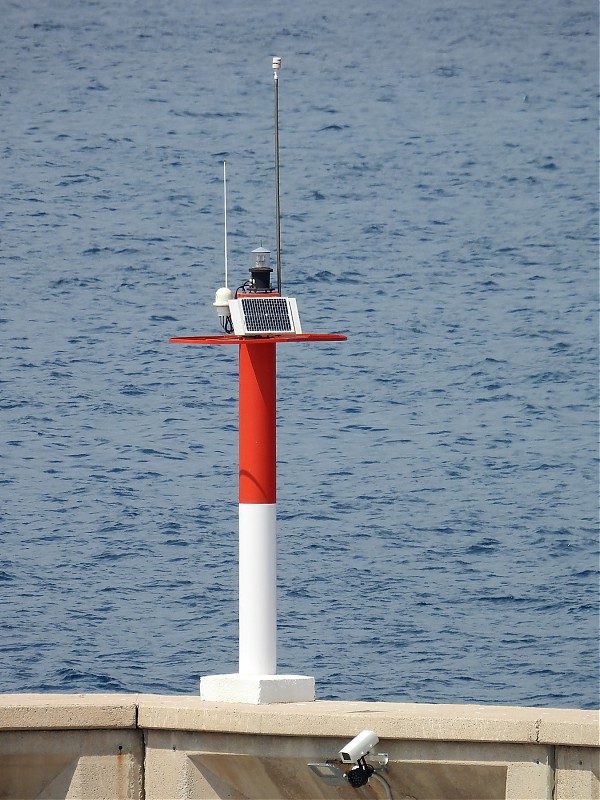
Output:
[[437, 472]]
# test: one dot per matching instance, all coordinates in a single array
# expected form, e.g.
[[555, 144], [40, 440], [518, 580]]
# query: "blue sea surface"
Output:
[[437, 472]]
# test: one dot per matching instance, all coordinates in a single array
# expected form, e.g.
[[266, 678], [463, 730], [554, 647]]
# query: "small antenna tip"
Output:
[[276, 63]]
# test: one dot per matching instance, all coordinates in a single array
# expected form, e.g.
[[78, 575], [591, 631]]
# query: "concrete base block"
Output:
[[257, 689]]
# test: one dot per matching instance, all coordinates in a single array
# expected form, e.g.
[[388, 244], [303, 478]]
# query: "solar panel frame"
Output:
[[255, 316]]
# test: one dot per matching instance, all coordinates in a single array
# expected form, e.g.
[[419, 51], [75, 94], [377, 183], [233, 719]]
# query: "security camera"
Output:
[[358, 747]]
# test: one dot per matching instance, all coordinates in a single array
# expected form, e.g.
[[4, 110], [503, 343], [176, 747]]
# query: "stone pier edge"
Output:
[[157, 747]]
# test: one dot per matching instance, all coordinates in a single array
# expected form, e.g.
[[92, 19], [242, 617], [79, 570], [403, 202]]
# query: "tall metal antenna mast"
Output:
[[225, 210], [276, 67]]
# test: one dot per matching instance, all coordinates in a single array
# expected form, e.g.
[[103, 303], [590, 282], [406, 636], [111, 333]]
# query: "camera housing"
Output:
[[359, 747]]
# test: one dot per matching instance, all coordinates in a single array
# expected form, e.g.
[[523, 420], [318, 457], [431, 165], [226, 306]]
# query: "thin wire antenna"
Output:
[[225, 214], [276, 67]]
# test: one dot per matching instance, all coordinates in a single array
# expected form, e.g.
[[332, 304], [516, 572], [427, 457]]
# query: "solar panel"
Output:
[[266, 314], [258, 315]]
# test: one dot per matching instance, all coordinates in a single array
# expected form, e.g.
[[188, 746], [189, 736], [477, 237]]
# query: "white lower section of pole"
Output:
[[256, 681], [258, 589]]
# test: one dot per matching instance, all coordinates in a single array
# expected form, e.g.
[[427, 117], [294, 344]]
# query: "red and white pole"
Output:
[[257, 509], [257, 681]]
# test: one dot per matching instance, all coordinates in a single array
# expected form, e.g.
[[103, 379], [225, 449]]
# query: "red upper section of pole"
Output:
[[257, 422], [257, 406]]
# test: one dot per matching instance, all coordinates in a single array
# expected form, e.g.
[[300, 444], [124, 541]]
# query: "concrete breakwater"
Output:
[[152, 747]]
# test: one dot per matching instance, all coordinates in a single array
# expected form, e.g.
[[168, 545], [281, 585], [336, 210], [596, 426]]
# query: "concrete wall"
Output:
[[151, 747]]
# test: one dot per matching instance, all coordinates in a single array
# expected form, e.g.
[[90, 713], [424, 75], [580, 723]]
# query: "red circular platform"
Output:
[[269, 338]]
